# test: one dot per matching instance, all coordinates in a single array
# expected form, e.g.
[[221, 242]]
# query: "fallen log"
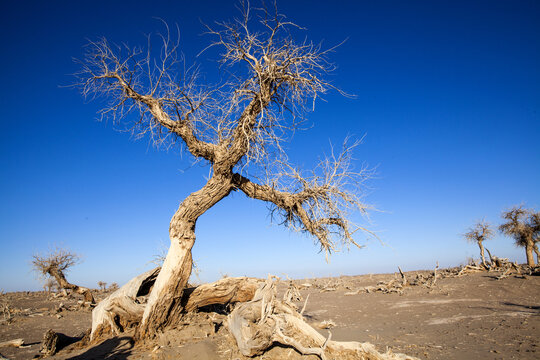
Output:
[[224, 291], [13, 343], [260, 323]]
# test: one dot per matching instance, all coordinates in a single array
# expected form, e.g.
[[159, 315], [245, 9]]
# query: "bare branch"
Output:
[[279, 76], [318, 204], [138, 81], [479, 232], [57, 259], [521, 224], [55, 264]]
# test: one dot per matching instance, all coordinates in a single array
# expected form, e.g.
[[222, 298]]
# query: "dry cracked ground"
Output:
[[475, 316]]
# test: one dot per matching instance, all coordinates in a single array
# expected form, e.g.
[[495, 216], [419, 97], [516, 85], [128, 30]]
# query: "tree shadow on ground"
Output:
[[528, 308], [117, 348], [513, 307]]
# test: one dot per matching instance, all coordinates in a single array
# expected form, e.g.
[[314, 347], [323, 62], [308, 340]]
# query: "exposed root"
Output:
[[124, 308]]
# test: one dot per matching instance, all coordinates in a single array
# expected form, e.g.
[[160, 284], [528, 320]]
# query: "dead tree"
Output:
[[113, 287], [237, 128], [524, 226], [102, 285], [480, 232], [55, 264], [49, 285]]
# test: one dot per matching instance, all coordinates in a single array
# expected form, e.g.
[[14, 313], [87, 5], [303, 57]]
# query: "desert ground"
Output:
[[477, 315]]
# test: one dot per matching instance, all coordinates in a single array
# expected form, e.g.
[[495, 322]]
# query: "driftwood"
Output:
[[263, 321], [470, 268], [399, 284], [125, 307], [13, 343]]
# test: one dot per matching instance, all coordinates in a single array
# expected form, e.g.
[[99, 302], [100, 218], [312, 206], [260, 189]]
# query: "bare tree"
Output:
[[524, 226], [49, 284], [55, 264], [480, 232], [237, 127], [102, 285], [113, 286]]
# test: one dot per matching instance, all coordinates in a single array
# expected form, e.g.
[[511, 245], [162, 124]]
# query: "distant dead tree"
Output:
[[113, 286], [102, 285], [49, 284], [524, 226], [55, 264], [237, 128], [478, 233]]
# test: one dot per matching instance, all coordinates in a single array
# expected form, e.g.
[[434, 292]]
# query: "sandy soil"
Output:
[[474, 316]]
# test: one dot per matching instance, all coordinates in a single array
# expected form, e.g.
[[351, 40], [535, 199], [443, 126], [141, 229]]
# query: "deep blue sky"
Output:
[[448, 96]]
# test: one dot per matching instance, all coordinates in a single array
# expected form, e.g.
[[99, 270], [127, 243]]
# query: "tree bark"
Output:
[[224, 291], [61, 279], [537, 253], [529, 251], [164, 303], [481, 246]]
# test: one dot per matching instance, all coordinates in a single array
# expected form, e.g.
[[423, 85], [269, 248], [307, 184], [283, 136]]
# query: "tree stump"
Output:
[[53, 342]]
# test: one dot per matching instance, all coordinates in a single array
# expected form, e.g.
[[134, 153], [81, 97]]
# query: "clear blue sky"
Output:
[[448, 96]]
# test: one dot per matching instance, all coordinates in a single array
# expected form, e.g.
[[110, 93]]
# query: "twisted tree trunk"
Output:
[[164, 303], [64, 284]]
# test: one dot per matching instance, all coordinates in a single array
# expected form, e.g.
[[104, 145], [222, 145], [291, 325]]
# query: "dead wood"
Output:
[[224, 291], [13, 343], [125, 307], [55, 264], [263, 321], [434, 276], [292, 294], [524, 226], [53, 342], [480, 232], [403, 277], [6, 310], [469, 268], [234, 126]]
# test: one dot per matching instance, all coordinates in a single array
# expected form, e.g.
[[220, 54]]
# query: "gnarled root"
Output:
[[258, 324], [125, 307]]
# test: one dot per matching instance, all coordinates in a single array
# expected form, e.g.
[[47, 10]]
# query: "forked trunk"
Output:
[[537, 253], [529, 251], [164, 303]]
